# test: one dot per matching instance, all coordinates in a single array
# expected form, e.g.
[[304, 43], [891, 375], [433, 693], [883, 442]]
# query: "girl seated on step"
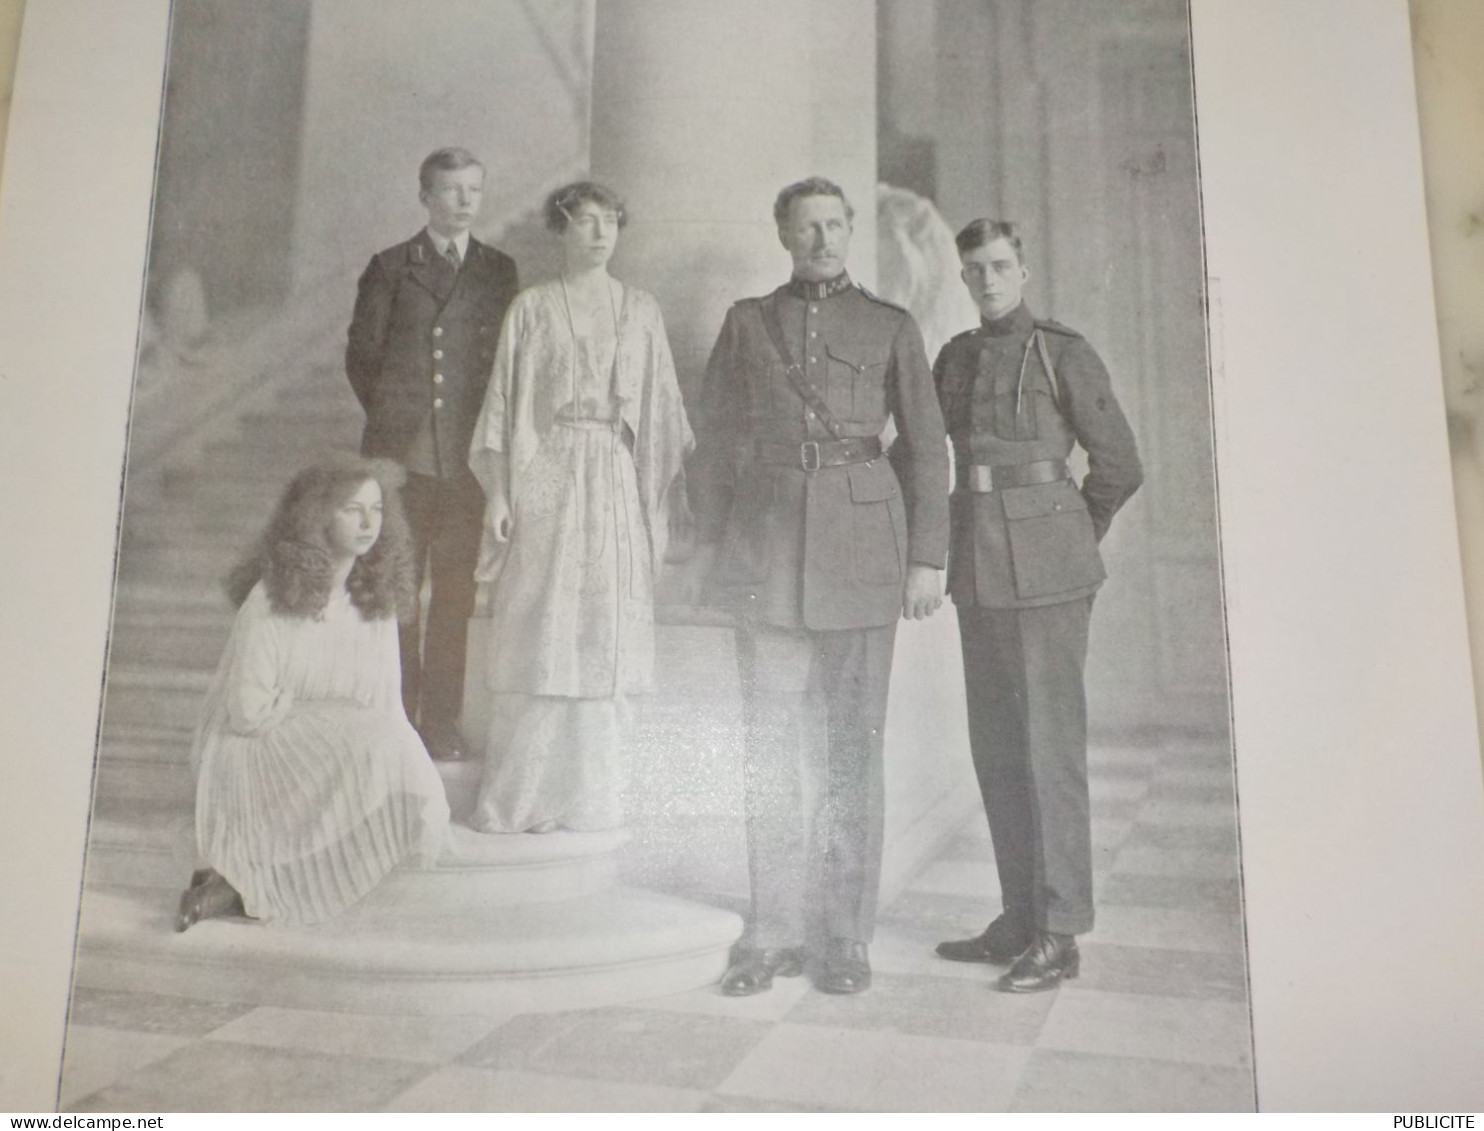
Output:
[[311, 784]]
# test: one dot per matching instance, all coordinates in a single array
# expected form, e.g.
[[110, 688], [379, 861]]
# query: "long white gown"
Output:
[[311, 783], [592, 433]]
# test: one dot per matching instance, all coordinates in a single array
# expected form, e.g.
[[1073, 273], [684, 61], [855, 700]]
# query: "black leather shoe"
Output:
[[847, 969], [445, 744], [1000, 944], [753, 969], [1047, 962], [211, 898]]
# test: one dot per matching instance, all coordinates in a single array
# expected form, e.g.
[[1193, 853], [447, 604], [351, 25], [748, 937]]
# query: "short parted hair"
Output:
[[562, 203], [292, 557], [451, 158], [978, 233], [809, 186]]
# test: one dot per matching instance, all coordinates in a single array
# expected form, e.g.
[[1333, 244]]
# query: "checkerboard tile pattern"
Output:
[[1158, 1019]]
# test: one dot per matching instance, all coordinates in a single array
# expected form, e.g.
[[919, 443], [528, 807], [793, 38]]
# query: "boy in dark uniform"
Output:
[[418, 355], [1017, 393]]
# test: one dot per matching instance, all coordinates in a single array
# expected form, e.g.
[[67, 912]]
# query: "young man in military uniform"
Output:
[[421, 346], [810, 538], [1017, 393]]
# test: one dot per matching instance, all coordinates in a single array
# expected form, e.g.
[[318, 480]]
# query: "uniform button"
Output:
[[437, 378], [437, 355], [814, 361], [814, 310], [814, 333], [437, 331], [810, 415], [437, 402]]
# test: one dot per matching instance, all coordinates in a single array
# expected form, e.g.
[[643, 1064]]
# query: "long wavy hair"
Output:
[[292, 557]]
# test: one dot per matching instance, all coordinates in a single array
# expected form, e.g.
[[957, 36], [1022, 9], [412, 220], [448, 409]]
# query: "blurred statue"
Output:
[[917, 266]]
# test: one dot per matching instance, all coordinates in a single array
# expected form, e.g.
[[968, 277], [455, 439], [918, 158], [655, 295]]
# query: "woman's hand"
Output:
[[499, 519]]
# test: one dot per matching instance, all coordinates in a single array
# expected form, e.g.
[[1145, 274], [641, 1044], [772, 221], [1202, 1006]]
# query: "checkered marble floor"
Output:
[[1158, 1020]]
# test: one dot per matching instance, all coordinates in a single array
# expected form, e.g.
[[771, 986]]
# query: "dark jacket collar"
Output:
[[1018, 321], [799, 288]]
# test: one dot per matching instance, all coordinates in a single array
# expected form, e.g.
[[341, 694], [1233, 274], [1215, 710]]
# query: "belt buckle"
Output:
[[809, 455]]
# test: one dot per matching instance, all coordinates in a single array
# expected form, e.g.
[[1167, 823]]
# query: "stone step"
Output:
[[170, 702], [185, 480], [122, 779], [179, 639], [183, 561], [185, 523], [304, 412], [125, 851], [380, 957], [143, 596], [318, 388], [282, 449]]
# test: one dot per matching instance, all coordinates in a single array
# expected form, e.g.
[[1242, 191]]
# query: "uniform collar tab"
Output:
[[801, 288], [1017, 321]]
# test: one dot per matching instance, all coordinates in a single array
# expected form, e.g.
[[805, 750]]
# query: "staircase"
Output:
[[503, 922]]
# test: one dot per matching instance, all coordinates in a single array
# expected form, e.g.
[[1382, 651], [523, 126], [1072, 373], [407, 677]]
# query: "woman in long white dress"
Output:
[[311, 783], [579, 449]]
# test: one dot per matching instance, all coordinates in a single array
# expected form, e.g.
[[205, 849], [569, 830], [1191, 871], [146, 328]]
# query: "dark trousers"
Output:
[[814, 710], [1023, 673], [447, 520]]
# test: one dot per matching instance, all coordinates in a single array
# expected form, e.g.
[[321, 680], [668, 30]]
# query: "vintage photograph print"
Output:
[[668, 561]]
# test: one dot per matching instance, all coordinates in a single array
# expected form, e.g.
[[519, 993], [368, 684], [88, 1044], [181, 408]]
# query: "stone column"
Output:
[[702, 111]]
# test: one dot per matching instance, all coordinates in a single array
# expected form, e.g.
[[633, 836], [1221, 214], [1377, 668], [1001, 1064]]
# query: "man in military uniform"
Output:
[[421, 346], [1017, 394], [810, 538]]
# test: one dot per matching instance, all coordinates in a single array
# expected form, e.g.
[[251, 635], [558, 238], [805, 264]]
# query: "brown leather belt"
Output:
[[811, 455], [982, 478]]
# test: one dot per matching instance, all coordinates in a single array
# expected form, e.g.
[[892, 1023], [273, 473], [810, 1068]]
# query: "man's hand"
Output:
[[499, 518], [923, 593]]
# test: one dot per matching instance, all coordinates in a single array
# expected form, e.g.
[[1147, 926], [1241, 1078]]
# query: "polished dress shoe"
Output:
[[753, 969], [208, 897], [1000, 944], [1049, 960], [846, 968]]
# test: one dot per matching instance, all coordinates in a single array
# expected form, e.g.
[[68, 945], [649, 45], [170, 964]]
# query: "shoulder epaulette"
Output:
[[878, 299], [1055, 327]]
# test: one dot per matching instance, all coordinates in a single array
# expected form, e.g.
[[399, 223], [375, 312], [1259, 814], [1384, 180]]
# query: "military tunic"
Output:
[[1023, 567], [823, 549], [812, 559]]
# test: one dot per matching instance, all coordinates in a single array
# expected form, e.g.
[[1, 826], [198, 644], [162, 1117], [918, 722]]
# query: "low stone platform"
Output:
[[382, 957]]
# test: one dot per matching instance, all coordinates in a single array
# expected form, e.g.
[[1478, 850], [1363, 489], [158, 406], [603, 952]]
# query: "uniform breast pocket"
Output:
[[878, 523], [954, 392], [857, 383], [1052, 546]]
